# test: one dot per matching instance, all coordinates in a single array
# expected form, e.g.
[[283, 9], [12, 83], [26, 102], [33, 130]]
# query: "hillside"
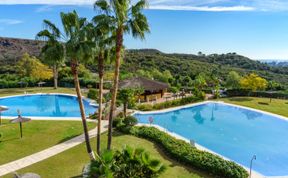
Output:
[[192, 65], [12, 49], [219, 65]]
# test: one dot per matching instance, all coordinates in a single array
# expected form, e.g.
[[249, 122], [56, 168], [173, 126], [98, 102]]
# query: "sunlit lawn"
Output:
[[277, 106], [19, 91], [70, 163], [38, 135]]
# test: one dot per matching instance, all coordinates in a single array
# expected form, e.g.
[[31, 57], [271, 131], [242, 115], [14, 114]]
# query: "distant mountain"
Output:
[[275, 62], [191, 65], [12, 49]]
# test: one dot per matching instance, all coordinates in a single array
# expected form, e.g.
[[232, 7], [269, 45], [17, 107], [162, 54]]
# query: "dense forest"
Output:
[[192, 65], [141, 62]]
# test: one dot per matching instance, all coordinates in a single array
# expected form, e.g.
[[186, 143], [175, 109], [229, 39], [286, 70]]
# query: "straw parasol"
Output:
[[40, 84], [2, 108], [21, 83], [20, 120]]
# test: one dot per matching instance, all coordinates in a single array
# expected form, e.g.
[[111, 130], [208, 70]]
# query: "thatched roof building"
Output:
[[153, 89]]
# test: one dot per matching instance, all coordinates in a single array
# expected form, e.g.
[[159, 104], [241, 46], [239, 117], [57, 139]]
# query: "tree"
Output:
[[253, 82], [32, 67], [199, 83], [52, 52], [122, 18], [128, 97], [77, 49], [233, 80], [99, 35]]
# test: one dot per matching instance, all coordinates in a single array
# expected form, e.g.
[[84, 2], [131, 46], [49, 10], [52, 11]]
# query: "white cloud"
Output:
[[48, 2], [203, 8], [10, 21], [45, 8], [193, 5]]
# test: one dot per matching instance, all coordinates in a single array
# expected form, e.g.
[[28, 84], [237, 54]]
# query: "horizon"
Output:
[[250, 29]]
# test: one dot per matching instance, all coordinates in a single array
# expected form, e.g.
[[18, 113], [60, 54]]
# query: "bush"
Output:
[[92, 94], [117, 122], [244, 92], [186, 154], [173, 89], [132, 163], [130, 121], [167, 104]]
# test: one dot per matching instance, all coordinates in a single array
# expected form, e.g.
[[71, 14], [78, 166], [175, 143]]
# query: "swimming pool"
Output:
[[45, 105], [235, 132]]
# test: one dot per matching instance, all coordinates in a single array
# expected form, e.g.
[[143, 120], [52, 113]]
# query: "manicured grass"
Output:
[[71, 162], [20, 91], [277, 106], [38, 135]]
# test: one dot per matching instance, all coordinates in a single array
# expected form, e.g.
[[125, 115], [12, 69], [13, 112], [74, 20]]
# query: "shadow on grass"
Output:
[[263, 103], [240, 99], [7, 140], [68, 138]]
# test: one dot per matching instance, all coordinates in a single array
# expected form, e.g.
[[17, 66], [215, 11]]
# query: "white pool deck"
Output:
[[200, 147]]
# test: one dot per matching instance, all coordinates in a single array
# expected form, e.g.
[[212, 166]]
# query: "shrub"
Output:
[[130, 121], [186, 154], [245, 92], [173, 89], [145, 107], [92, 94], [117, 122], [132, 163], [167, 104]]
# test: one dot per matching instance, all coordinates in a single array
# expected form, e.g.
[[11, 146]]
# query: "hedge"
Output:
[[185, 153], [244, 92], [167, 104]]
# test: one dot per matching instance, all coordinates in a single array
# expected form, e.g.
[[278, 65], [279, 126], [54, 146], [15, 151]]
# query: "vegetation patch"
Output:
[[129, 162], [183, 152], [168, 104]]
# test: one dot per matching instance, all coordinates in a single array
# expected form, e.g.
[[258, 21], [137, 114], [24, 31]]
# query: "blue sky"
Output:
[[254, 28]]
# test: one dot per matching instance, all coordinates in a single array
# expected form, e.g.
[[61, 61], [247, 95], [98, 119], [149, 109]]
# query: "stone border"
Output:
[[200, 147], [90, 101]]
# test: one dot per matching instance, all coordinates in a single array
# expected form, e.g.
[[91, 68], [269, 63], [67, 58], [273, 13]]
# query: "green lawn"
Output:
[[277, 106], [38, 135], [19, 91], [71, 162]]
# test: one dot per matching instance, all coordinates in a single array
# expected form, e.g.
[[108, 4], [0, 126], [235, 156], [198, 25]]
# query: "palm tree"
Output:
[[99, 35], [53, 51], [78, 49], [123, 18]]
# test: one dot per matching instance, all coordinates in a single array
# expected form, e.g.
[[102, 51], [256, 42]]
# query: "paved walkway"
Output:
[[49, 152]]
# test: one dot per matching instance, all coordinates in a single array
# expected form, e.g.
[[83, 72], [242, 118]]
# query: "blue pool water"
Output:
[[45, 106], [233, 132]]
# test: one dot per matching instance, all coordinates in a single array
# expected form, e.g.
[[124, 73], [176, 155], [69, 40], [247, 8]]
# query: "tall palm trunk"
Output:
[[119, 43], [101, 74], [74, 68], [55, 76]]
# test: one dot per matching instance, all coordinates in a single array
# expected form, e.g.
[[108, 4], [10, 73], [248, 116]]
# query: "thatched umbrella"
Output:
[[2, 108], [20, 120], [40, 84], [21, 83]]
